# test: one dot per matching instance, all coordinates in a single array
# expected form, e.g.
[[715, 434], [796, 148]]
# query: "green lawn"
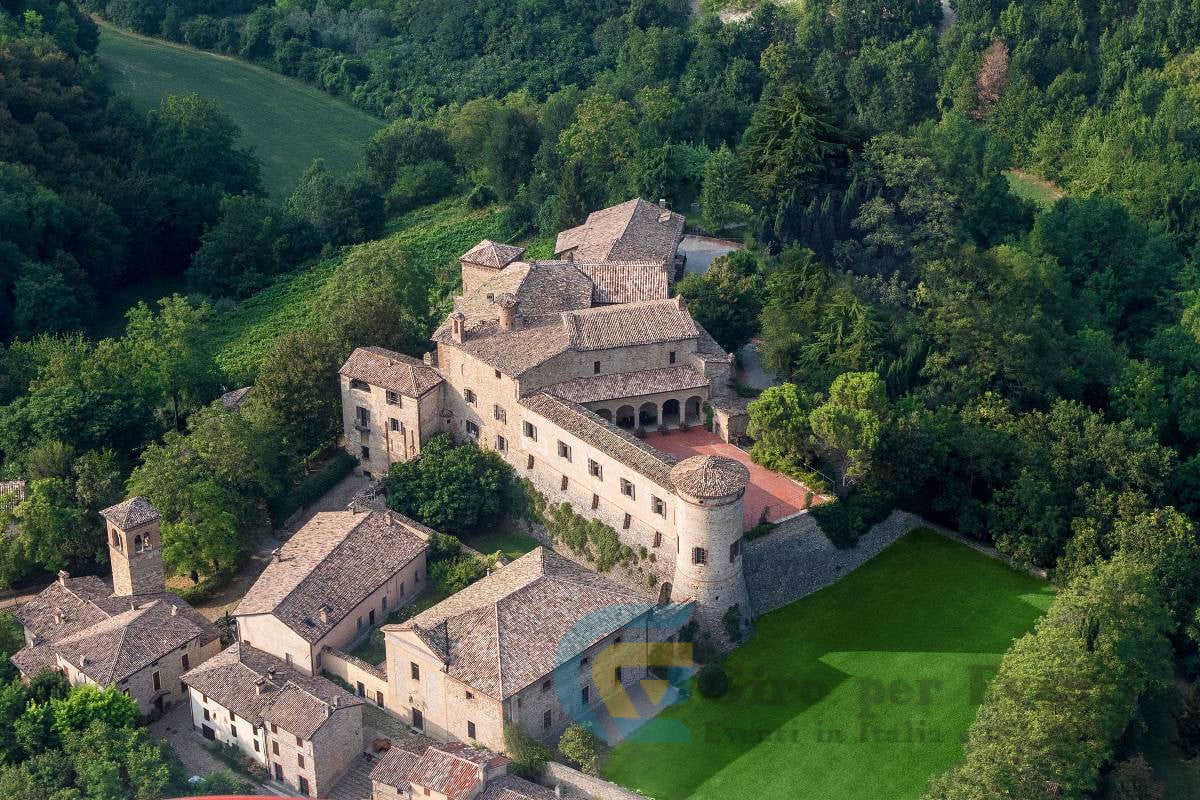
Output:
[[861, 691], [507, 540], [286, 122], [1030, 187]]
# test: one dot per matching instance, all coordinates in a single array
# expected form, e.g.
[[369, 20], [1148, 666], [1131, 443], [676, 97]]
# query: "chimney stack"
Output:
[[62, 577], [324, 614], [510, 319], [457, 322], [174, 610], [662, 202], [679, 301], [277, 555]]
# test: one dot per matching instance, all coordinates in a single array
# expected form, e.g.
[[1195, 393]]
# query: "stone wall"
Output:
[[574, 781], [356, 673], [797, 559]]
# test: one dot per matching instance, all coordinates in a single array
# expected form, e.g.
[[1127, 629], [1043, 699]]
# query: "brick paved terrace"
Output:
[[778, 494]]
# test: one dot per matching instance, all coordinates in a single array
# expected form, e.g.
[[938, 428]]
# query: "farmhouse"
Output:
[[562, 367], [333, 580], [133, 635]]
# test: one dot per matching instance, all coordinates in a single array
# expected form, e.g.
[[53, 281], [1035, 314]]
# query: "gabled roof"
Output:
[[626, 281], [620, 385], [629, 324], [332, 564], [258, 686], [130, 513], [390, 370], [453, 768], [513, 627], [632, 231], [492, 254]]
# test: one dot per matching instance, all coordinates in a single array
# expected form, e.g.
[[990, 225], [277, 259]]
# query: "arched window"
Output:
[[137, 543], [116, 538]]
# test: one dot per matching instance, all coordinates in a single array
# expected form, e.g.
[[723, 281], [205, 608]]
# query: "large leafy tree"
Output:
[[727, 298], [297, 391], [850, 422], [170, 354]]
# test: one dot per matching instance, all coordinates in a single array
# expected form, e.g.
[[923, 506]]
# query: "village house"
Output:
[[517, 646], [415, 769], [337, 577], [133, 635], [560, 367], [305, 731]]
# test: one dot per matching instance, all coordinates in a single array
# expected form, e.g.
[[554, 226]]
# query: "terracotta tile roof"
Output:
[[626, 281], [391, 370], [492, 254], [632, 231], [709, 477], [452, 768], [258, 687], [34, 660], [79, 618], [130, 513], [648, 322], [513, 627], [119, 646], [604, 436], [331, 565], [510, 787], [628, 384], [233, 400]]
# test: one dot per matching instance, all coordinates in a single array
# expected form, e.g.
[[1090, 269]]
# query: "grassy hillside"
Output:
[[287, 123], [436, 235]]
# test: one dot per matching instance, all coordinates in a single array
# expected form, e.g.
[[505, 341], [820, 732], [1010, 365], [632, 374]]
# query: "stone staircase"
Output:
[[356, 783]]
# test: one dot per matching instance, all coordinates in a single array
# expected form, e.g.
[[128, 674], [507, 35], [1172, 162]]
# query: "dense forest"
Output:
[[1027, 374]]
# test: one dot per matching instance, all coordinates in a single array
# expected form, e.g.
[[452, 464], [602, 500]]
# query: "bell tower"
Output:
[[134, 547]]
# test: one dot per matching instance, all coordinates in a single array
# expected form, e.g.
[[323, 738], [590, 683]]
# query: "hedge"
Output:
[[312, 488]]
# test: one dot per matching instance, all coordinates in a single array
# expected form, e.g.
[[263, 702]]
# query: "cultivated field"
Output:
[[859, 692], [286, 122]]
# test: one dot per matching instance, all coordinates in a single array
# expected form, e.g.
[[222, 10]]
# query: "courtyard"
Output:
[[777, 495], [861, 691]]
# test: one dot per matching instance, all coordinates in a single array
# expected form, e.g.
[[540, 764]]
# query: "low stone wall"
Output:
[[574, 783], [355, 671], [797, 559]]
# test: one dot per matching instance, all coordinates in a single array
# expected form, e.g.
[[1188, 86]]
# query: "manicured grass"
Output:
[[861, 691], [371, 649], [1030, 187], [512, 543], [286, 122]]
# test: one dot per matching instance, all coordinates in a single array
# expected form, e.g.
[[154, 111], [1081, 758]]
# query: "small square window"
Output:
[[394, 424], [627, 489], [547, 720], [529, 462], [658, 538], [564, 451], [469, 396], [595, 470], [595, 367], [699, 555], [394, 399], [472, 429], [530, 431], [583, 662], [658, 506], [565, 481], [545, 686], [414, 670], [470, 696], [735, 550], [275, 748], [365, 452]]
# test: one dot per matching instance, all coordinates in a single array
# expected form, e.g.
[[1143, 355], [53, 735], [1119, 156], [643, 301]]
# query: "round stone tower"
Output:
[[708, 513]]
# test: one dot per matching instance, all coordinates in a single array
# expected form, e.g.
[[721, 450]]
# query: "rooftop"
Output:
[[709, 477], [596, 388], [390, 370], [492, 254], [331, 565], [452, 768], [634, 231], [629, 324], [130, 513], [513, 627]]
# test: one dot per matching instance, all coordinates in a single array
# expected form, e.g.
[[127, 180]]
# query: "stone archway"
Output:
[[648, 415], [691, 410], [626, 417], [605, 414], [670, 413]]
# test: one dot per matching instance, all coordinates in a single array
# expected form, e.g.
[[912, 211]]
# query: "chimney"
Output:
[[83, 661], [259, 685], [679, 301], [62, 577], [558, 790], [457, 320], [174, 610], [662, 202], [324, 615], [59, 616], [428, 359], [510, 318], [277, 555]]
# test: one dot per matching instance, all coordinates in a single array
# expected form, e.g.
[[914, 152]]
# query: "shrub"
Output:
[[454, 575], [419, 184], [849, 518], [312, 488], [732, 620], [528, 756], [582, 747], [712, 682]]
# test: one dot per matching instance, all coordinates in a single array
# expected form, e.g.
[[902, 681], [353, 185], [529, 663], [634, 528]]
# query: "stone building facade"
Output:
[[133, 635], [559, 365]]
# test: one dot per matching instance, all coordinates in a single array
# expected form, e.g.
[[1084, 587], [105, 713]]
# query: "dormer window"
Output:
[[361, 386]]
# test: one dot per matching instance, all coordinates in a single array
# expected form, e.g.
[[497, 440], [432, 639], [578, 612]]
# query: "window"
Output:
[[418, 719], [394, 424], [184, 661], [583, 662], [362, 386], [595, 470], [278, 772], [365, 452], [530, 431], [470, 729], [362, 417], [545, 686], [233, 731], [414, 670], [671, 357], [595, 501], [469, 396], [658, 506], [299, 760], [617, 673], [565, 481], [499, 413], [472, 430], [379, 698], [470, 696], [595, 367], [564, 450], [206, 716], [394, 399], [699, 555], [359, 623], [501, 444], [274, 746], [303, 784], [658, 538], [627, 489], [371, 617], [627, 521], [529, 462], [157, 682], [299, 743], [497, 374], [585, 695], [735, 550], [547, 720], [257, 749], [273, 728], [383, 605]]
